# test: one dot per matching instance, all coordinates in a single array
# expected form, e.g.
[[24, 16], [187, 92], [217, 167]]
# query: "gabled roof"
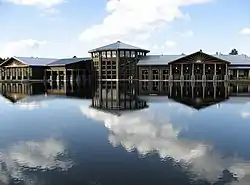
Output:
[[68, 61], [35, 61], [32, 61], [118, 46], [235, 59], [158, 59], [166, 59]]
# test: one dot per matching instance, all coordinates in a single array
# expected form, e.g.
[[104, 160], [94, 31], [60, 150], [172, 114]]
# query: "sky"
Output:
[[67, 28]]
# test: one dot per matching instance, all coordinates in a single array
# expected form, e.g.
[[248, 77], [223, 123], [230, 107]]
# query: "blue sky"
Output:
[[59, 28]]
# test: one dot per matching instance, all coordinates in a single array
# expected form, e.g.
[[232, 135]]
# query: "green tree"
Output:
[[233, 52], [1, 60]]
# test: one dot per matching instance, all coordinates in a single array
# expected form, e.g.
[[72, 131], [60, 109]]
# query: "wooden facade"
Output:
[[79, 71], [195, 67], [14, 70], [120, 61]]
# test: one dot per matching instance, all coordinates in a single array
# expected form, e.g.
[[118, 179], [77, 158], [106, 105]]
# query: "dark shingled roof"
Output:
[[165, 59], [68, 61], [158, 59], [118, 45], [33, 61]]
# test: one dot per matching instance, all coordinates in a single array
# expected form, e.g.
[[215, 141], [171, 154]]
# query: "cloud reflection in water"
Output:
[[42, 155], [145, 132]]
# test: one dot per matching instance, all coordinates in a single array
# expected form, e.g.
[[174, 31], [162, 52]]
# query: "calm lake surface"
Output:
[[66, 134]]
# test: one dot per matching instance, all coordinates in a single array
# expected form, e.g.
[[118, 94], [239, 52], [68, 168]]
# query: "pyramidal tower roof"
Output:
[[118, 46]]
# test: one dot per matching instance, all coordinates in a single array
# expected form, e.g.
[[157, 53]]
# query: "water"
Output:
[[193, 134]]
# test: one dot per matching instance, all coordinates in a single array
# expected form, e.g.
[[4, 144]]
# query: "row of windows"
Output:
[[113, 54]]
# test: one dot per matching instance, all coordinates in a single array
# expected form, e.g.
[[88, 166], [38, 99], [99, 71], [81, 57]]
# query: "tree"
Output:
[[233, 52], [1, 60]]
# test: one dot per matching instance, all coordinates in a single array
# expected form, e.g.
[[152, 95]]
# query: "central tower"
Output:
[[116, 61]]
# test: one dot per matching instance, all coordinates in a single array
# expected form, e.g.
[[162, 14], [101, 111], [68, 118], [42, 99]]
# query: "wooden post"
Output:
[[182, 77], [22, 73], [192, 77], [215, 72]]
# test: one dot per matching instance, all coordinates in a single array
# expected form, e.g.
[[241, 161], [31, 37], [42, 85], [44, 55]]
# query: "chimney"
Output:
[[200, 50], [217, 53]]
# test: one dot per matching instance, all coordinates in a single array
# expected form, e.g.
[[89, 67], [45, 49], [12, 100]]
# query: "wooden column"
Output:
[[11, 73], [192, 77], [215, 72], [22, 73], [204, 72], [0, 74], [65, 76], [57, 75], [170, 72], [226, 72], [45, 75], [237, 74], [182, 77]]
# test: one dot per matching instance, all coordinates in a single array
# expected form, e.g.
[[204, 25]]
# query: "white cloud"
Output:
[[245, 31], [44, 3], [188, 33], [170, 44], [21, 47], [128, 19], [50, 13]]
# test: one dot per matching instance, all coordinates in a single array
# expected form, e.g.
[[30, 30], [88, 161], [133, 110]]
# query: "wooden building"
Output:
[[197, 66], [72, 69], [116, 61], [40, 69], [120, 61]]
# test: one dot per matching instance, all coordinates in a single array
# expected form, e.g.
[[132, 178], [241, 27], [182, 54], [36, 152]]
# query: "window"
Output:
[[165, 74], [144, 74], [132, 54], [155, 74], [108, 54], [128, 54], [121, 53], [113, 54], [104, 54]]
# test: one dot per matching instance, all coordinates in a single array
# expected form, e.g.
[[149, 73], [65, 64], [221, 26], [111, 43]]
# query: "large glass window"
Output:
[[127, 54], [114, 54], [155, 74], [121, 53], [144, 74], [132, 54], [108, 54], [104, 54]]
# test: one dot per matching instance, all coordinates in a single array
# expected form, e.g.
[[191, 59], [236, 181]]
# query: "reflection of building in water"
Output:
[[197, 95], [114, 95], [69, 89], [239, 89], [18, 91]]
